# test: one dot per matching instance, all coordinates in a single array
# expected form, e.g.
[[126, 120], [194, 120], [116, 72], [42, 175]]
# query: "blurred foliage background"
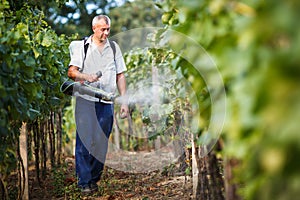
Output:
[[255, 45]]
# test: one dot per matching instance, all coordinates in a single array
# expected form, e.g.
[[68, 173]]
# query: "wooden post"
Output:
[[24, 157], [59, 136], [231, 188], [195, 169]]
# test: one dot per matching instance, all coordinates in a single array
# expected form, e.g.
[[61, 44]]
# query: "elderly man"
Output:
[[94, 117]]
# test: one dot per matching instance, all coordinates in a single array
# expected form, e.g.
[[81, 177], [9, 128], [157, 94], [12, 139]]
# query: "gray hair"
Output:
[[96, 19]]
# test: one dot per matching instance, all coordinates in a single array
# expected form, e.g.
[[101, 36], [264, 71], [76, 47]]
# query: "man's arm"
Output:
[[121, 83], [76, 75]]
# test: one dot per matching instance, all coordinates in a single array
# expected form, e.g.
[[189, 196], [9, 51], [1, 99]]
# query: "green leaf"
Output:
[[29, 61], [32, 113], [47, 40], [36, 53], [55, 101]]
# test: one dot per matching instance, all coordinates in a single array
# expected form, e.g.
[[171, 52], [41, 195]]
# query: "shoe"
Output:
[[85, 189], [93, 187]]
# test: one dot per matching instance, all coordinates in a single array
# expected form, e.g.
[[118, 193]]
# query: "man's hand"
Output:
[[91, 77], [124, 111]]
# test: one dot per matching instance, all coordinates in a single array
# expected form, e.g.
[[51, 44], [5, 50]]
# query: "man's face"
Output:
[[101, 30]]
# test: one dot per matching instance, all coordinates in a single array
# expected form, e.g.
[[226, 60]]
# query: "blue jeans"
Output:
[[91, 139]]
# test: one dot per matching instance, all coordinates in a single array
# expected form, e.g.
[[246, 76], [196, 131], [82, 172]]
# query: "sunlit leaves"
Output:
[[47, 39], [255, 45], [33, 62]]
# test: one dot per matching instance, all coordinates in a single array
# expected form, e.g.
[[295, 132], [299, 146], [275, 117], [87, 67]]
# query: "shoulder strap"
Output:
[[112, 45], [85, 46]]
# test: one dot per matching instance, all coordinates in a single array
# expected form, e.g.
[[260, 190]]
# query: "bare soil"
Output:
[[60, 183]]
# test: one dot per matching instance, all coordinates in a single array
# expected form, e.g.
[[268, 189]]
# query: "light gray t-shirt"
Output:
[[98, 61]]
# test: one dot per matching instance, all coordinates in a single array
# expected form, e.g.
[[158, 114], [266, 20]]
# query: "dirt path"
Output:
[[114, 185], [154, 185]]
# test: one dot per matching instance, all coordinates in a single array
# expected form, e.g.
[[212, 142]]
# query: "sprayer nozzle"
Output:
[[99, 74]]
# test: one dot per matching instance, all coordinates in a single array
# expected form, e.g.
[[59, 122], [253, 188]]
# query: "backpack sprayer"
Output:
[[70, 87]]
